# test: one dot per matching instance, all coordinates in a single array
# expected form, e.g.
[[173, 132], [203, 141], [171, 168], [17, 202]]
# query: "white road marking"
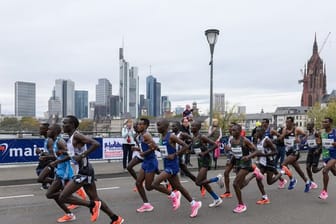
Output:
[[107, 188], [17, 196]]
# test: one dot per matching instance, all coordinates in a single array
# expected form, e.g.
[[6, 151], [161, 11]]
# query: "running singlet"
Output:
[[63, 170], [73, 150], [238, 151], [265, 160], [145, 147], [168, 163], [289, 141], [311, 141], [328, 150]]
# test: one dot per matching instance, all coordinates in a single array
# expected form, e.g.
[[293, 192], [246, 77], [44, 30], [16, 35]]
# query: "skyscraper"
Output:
[[129, 88], [103, 92], [81, 104], [220, 103], [54, 105], [25, 99], [65, 92], [150, 94]]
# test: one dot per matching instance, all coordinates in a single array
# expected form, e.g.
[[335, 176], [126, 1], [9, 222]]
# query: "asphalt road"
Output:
[[27, 204]]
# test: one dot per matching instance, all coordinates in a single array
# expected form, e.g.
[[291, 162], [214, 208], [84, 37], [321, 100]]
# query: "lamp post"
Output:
[[211, 35]]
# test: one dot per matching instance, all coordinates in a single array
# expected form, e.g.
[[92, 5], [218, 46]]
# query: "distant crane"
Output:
[[313, 64]]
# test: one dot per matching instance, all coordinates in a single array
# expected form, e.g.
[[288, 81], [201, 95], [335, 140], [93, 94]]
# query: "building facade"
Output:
[[153, 95], [314, 79], [65, 92], [128, 88], [219, 103], [81, 104], [25, 99]]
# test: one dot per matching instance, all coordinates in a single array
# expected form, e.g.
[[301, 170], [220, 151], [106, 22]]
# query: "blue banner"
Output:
[[24, 150]]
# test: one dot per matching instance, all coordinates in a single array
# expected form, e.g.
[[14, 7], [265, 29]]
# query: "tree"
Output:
[[86, 125], [29, 124], [229, 116], [10, 124], [317, 113]]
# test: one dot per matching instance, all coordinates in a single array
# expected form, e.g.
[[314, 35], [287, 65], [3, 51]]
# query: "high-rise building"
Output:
[[114, 106], [65, 91], [314, 79], [129, 88], [166, 104], [25, 99], [54, 105], [103, 92], [219, 103], [153, 95], [133, 92], [81, 104], [241, 109]]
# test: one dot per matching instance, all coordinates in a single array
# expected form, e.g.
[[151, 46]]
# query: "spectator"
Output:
[[187, 113], [215, 134], [128, 134]]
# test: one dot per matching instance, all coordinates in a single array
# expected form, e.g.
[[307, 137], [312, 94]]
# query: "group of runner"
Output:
[[172, 146]]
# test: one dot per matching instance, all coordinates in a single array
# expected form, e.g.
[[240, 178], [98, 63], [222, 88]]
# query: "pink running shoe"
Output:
[[240, 208], [258, 174], [194, 209], [176, 200], [313, 185], [282, 184], [146, 207], [323, 195]]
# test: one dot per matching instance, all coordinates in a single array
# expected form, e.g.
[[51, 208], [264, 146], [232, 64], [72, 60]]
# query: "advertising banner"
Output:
[[112, 148]]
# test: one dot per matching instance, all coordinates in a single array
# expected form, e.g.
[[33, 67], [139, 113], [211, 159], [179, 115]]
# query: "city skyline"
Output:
[[257, 59]]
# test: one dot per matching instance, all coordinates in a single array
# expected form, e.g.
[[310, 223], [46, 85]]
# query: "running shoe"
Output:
[[240, 208], [176, 200], [282, 184], [169, 187], [226, 195], [203, 191], [81, 193], [194, 208], [220, 180], [287, 171], [307, 187], [146, 207], [118, 221], [313, 185], [258, 174], [323, 195], [216, 203], [95, 211], [263, 201], [72, 207], [292, 184], [67, 218]]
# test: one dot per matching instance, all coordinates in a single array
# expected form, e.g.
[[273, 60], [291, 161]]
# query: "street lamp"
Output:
[[211, 35]]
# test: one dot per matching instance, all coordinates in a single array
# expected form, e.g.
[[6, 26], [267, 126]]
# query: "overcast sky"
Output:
[[261, 48]]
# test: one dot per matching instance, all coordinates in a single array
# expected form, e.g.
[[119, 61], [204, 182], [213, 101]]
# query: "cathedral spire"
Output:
[[315, 48]]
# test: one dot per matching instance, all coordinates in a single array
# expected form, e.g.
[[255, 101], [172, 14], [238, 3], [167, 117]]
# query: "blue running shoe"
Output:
[[307, 187], [292, 184]]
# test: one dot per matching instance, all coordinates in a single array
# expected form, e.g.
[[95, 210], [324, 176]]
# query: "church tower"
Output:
[[314, 79]]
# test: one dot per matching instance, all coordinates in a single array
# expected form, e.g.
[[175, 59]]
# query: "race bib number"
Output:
[[327, 143], [311, 143], [163, 150], [197, 151], [289, 142], [263, 161], [237, 152]]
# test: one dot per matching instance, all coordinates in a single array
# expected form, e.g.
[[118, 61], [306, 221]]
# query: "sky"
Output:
[[260, 50]]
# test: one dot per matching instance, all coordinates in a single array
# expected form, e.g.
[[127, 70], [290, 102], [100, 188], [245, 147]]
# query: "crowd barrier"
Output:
[[24, 150]]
